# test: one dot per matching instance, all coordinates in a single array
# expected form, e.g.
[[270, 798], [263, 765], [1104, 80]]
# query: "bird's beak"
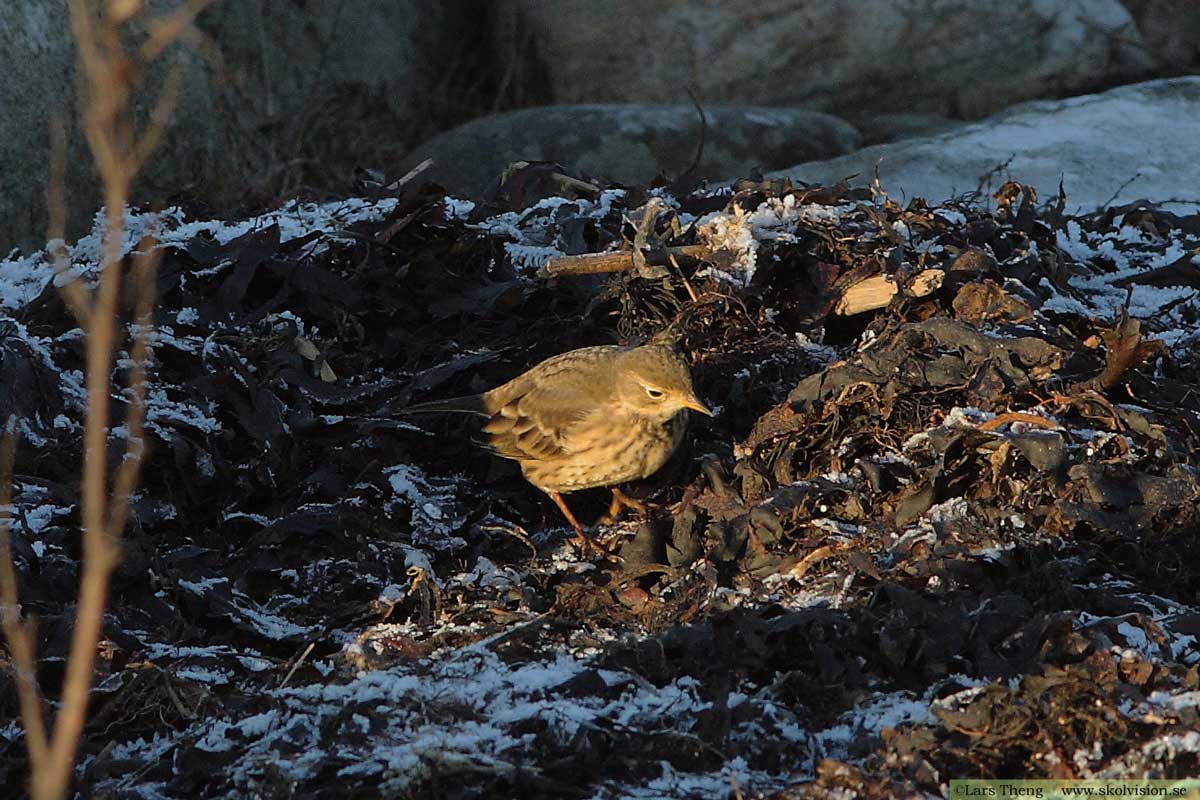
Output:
[[695, 405]]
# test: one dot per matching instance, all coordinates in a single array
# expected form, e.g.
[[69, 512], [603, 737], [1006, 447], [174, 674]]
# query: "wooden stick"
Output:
[[120, 146], [618, 260], [820, 554], [878, 290]]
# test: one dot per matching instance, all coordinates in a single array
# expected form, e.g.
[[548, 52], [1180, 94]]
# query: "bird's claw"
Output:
[[590, 548], [620, 502]]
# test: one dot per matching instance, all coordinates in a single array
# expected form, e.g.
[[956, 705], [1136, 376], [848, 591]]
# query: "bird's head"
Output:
[[654, 382]]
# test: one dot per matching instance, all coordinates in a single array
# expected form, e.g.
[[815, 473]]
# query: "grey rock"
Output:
[[245, 107], [957, 58], [631, 143], [885, 127], [1135, 142], [1171, 31]]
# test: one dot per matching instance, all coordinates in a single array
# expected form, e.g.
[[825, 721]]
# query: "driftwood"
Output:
[[620, 260], [866, 295], [878, 290]]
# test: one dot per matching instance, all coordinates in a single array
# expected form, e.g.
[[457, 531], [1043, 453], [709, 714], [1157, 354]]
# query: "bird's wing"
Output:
[[537, 424]]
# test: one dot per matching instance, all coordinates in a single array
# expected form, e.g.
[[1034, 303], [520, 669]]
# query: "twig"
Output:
[[523, 629], [820, 554], [686, 283], [145, 268], [119, 148], [167, 30], [174, 696], [566, 183], [516, 532], [619, 261], [145, 145], [983, 186], [412, 173], [296, 666], [373, 240], [1112, 199], [643, 227]]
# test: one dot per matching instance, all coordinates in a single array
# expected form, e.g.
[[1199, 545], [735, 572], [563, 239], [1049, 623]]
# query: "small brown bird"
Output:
[[597, 416]]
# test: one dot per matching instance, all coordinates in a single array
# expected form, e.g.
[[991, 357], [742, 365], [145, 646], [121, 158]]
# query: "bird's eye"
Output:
[[655, 394]]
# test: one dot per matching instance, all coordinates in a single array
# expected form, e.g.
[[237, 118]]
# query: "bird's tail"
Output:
[[469, 404]]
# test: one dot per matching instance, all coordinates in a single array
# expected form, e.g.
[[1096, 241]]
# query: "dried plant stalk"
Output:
[[618, 260], [109, 69]]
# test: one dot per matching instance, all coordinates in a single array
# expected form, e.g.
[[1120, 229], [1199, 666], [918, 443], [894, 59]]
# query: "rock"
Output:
[[1129, 143], [958, 58], [877, 128], [631, 143], [1171, 31], [283, 70]]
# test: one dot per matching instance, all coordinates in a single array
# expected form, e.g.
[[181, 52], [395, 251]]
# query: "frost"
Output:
[[531, 233], [435, 514], [402, 724], [22, 278], [458, 209], [161, 412]]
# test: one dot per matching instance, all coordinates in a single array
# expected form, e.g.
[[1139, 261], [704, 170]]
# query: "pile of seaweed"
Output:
[[942, 525]]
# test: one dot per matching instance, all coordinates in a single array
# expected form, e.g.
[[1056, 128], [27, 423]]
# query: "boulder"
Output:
[[1135, 142], [250, 101], [1171, 31], [631, 143], [958, 58], [887, 127]]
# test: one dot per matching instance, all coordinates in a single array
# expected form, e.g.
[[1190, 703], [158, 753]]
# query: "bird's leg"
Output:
[[620, 502], [582, 540]]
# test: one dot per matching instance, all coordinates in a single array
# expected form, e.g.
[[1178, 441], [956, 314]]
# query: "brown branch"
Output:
[[619, 261], [878, 290], [145, 268], [145, 145], [167, 30], [412, 173], [109, 75], [105, 98], [820, 554]]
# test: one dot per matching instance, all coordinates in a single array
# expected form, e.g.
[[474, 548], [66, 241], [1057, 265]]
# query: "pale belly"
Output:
[[622, 452]]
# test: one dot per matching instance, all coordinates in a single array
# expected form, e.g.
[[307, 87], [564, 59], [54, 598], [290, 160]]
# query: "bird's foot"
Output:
[[620, 502], [588, 547]]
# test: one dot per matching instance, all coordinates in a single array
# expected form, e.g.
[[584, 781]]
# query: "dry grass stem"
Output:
[[109, 72]]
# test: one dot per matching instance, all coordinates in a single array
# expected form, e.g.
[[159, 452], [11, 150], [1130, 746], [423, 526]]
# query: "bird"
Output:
[[587, 418]]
